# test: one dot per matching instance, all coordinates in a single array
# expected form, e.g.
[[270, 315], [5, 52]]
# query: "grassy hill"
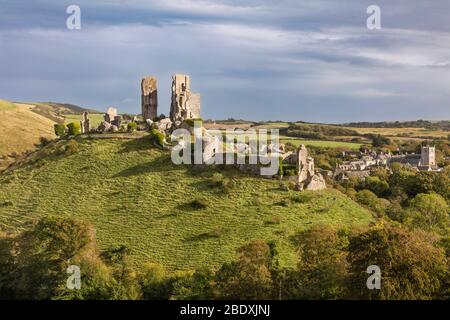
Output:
[[20, 129], [134, 195]]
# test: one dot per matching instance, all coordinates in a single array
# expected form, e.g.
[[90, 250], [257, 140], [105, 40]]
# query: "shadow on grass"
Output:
[[168, 215], [138, 144], [160, 164], [194, 205], [216, 233]]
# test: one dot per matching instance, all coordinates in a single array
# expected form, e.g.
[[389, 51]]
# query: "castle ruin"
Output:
[[85, 123], [307, 178], [149, 98], [185, 104]]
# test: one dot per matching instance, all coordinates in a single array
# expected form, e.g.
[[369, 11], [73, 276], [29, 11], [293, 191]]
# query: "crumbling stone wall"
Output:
[[307, 178]]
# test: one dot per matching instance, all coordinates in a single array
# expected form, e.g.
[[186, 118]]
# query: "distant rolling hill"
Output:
[[55, 111], [23, 124]]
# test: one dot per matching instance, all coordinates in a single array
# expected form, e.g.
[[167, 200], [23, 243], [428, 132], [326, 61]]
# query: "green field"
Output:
[[321, 143], [95, 118], [134, 195]]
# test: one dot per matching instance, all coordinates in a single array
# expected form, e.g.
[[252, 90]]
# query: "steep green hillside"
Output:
[[134, 195]]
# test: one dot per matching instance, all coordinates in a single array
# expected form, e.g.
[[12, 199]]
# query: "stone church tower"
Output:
[[428, 157]]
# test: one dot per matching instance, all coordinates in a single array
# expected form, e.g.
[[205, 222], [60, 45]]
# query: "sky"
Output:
[[294, 60]]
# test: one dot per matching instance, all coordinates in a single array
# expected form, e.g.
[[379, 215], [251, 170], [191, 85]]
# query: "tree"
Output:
[[155, 282], [379, 140], [370, 199], [38, 258], [429, 211], [196, 286], [377, 186], [125, 282], [60, 129], [322, 265], [132, 126], [249, 277], [411, 266]]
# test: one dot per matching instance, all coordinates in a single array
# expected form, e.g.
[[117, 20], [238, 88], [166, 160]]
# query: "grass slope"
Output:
[[134, 195], [20, 128]]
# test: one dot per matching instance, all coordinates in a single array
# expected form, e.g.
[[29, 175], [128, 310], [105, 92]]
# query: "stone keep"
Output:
[[185, 104], [85, 123], [149, 98]]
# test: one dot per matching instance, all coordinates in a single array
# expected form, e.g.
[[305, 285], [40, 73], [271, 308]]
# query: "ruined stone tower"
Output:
[[149, 98], [307, 177], [185, 104]]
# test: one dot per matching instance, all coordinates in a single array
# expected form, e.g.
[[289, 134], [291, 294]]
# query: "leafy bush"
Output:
[[157, 137], [71, 147], [43, 141], [370, 199], [60, 129], [73, 128], [132, 126]]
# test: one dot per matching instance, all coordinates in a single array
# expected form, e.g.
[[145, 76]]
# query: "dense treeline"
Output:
[[432, 125], [332, 264], [316, 131]]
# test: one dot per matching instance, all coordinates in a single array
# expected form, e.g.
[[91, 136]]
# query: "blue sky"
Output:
[[253, 59]]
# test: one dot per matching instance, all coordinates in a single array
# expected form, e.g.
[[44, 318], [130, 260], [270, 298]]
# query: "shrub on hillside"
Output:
[[370, 199], [73, 128], [71, 147], [157, 137], [60, 129], [219, 181], [132, 126], [43, 141]]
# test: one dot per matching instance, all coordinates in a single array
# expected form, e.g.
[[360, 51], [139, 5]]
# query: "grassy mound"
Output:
[[174, 215]]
